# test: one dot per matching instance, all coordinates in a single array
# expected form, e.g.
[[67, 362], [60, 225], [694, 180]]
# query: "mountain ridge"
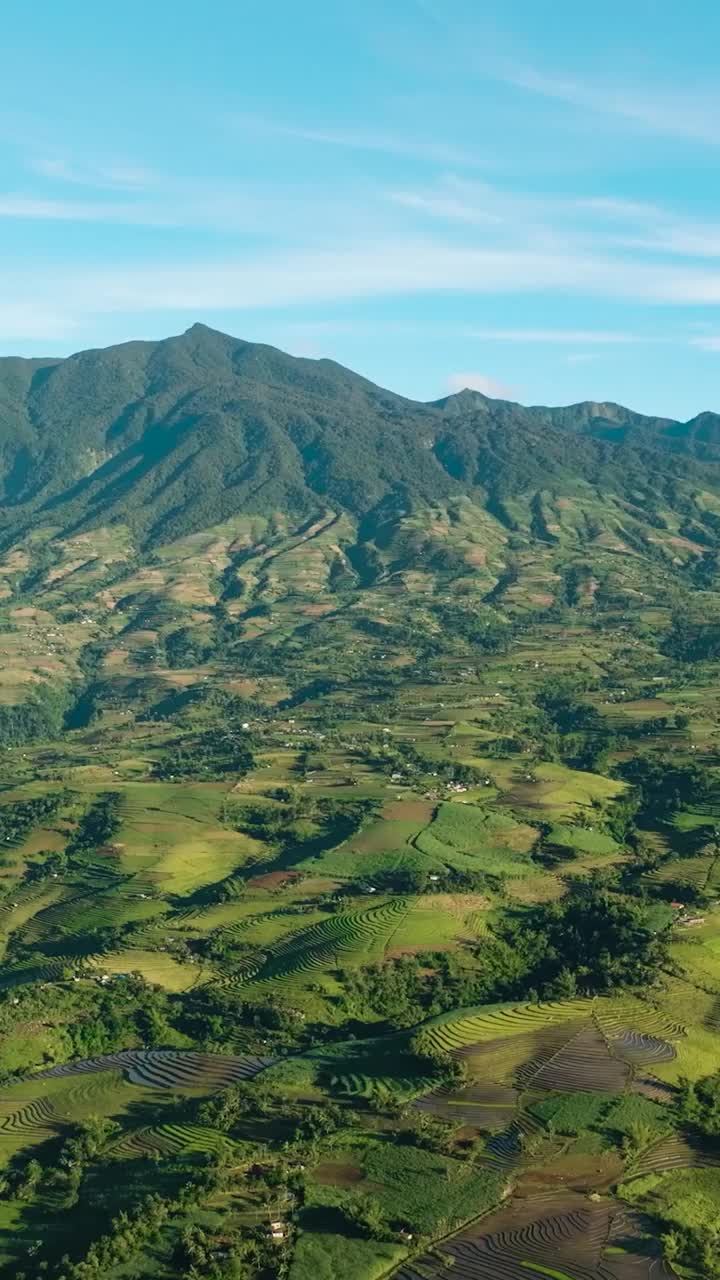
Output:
[[607, 409], [176, 435]]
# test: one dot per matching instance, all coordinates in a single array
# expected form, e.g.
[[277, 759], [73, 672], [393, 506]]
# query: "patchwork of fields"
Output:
[[372, 927]]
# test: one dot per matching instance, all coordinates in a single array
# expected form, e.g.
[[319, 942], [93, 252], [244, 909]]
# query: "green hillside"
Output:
[[173, 436], [359, 827]]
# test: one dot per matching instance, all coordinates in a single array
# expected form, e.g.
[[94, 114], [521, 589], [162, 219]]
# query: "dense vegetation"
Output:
[[196, 429], [359, 827]]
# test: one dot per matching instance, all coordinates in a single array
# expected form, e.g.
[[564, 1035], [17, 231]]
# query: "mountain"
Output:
[[170, 437], [360, 785]]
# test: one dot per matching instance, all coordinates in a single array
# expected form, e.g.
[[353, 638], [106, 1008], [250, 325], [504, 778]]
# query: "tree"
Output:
[[30, 1179], [594, 936], [366, 1215], [699, 1104], [319, 1122]]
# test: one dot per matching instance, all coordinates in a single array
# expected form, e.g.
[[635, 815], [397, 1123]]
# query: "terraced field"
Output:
[[616, 1016], [597, 1036], [313, 820], [583, 1063], [484, 1107], [155, 966], [684, 1151], [33, 1122], [171, 1140], [166, 1068], [32, 1113], [465, 835], [561, 1236], [458, 1031], [506, 1243], [515, 1058], [341, 940], [640, 1050]]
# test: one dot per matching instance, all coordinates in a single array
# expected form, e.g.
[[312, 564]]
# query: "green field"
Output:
[[359, 853]]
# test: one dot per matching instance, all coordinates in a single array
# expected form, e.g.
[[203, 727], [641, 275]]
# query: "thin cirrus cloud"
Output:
[[29, 208], [357, 269], [350, 271], [113, 177], [680, 113], [602, 221], [562, 337], [395, 266], [360, 140], [31, 320], [496, 217], [380, 269], [711, 343], [451, 208], [683, 240], [184, 205]]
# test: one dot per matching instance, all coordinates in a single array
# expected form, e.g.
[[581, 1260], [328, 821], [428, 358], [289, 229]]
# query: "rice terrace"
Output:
[[359, 828]]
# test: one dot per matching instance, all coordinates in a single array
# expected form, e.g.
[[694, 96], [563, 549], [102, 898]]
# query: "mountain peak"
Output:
[[198, 328], [464, 400], [176, 435]]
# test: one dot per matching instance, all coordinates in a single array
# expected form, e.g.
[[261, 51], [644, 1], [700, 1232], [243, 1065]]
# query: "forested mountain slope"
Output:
[[174, 436], [359, 827]]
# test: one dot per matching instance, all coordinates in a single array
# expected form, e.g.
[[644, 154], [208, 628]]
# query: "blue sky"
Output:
[[521, 197]]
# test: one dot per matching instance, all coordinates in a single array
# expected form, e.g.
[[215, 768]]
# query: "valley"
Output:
[[360, 827]]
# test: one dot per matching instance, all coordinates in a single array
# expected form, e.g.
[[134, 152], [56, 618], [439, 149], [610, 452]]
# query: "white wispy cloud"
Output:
[[186, 204], [444, 153], [514, 243], [601, 223], [27, 321], [563, 337], [683, 239], [455, 199], [452, 208], [32, 208], [354, 270], [691, 113], [360, 270], [501, 218], [618, 208], [537, 214], [710, 343], [114, 177]]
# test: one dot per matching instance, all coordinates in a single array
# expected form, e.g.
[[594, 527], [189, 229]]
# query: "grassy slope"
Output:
[[346, 665]]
